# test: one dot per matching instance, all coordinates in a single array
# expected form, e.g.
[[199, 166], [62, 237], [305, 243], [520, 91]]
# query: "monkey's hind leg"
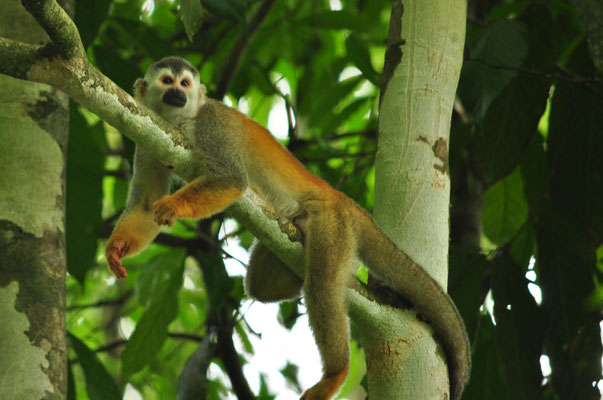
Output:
[[268, 279], [330, 252]]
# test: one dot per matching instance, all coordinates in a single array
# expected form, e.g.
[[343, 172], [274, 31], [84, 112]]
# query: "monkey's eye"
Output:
[[167, 80], [185, 83]]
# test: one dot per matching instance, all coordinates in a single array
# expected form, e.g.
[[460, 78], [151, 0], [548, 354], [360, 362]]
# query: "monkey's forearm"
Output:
[[198, 199], [134, 231]]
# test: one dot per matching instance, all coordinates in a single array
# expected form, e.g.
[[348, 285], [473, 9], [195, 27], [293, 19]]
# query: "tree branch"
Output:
[[230, 357], [122, 342], [59, 27], [591, 83], [114, 302], [16, 58]]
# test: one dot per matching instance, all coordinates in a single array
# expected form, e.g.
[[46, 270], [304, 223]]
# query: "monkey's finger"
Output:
[[123, 249], [116, 268], [114, 260], [114, 254], [119, 271]]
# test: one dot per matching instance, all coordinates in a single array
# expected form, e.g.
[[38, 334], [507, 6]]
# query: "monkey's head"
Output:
[[171, 87]]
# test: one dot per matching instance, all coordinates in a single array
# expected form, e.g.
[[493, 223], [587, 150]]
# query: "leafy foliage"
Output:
[[531, 129], [524, 161], [505, 209], [99, 383], [192, 383], [84, 195], [161, 280]]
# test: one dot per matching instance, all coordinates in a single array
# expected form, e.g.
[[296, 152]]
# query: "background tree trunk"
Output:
[[34, 124], [412, 186]]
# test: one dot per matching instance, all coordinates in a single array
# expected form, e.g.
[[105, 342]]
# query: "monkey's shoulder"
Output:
[[216, 137], [215, 119]]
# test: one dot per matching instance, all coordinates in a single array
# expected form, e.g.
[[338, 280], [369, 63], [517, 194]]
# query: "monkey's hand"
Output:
[[115, 251], [167, 209]]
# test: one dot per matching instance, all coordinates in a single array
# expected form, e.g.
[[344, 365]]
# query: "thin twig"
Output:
[[115, 302], [589, 82]]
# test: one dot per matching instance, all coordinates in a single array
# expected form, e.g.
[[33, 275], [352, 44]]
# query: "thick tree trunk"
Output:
[[412, 186], [34, 124]]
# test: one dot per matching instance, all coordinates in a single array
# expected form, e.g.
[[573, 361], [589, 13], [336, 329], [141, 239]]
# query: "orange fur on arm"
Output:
[[137, 228], [198, 199]]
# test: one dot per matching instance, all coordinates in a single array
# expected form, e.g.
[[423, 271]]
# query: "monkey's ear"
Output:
[[202, 90], [141, 87]]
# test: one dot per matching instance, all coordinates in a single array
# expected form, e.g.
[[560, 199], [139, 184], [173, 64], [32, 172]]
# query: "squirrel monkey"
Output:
[[234, 152]]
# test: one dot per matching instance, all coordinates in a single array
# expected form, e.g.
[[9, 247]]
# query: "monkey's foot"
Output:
[[328, 386], [116, 250], [165, 210]]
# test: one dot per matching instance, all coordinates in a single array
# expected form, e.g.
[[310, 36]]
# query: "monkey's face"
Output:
[[174, 96]]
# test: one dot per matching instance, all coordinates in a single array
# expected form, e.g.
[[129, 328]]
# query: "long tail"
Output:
[[399, 271]]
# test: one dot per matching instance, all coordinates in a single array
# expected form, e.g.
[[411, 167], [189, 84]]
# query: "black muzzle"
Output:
[[174, 97]]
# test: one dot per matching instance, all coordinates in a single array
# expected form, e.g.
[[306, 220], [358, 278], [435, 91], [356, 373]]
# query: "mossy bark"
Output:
[[34, 124]]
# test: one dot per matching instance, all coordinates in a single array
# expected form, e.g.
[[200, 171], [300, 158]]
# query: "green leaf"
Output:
[[340, 19], [505, 209], [565, 275], [70, 382], [264, 393], [154, 276], [99, 383], [161, 308], [503, 44], [228, 9], [290, 373], [191, 16], [591, 13], [522, 248], [512, 118], [324, 104], [568, 32], [120, 71], [575, 141], [319, 78], [192, 382], [120, 193], [85, 168], [89, 16], [334, 121], [127, 9], [534, 171], [508, 127], [288, 313], [465, 287], [163, 19], [247, 346], [358, 52], [141, 36], [569, 232], [218, 283], [519, 330], [486, 372], [503, 11]]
